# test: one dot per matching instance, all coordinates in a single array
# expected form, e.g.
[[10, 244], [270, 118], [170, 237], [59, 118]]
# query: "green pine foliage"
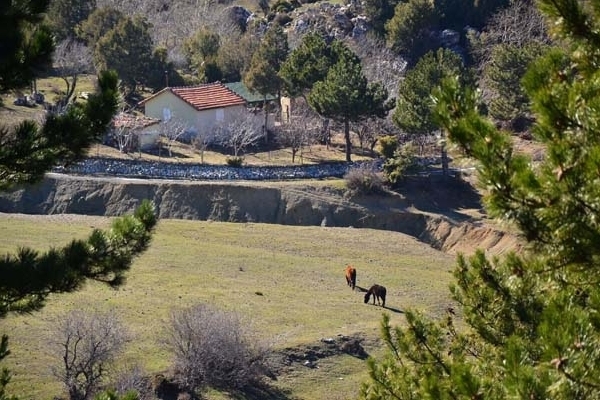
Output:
[[307, 64], [408, 33], [26, 44], [532, 330], [262, 77], [65, 15], [345, 95], [128, 49], [98, 24], [413, 113], [28, 150], [503, 74]]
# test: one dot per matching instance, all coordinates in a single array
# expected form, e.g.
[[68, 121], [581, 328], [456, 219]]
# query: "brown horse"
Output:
[[350, 276], [378, 293]]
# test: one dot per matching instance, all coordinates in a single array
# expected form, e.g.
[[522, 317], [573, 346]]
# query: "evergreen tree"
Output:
[[379, 12], [413, 113], [98, 24], [65, 15], [128, 49], [502, 77], [262, 77], [532, 328], [307, 64], [410, 32], [202, 49], [27, 151], [345, 95], [25, 43]]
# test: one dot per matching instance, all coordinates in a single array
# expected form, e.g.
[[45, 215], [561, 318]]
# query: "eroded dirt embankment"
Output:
[[429, 211]]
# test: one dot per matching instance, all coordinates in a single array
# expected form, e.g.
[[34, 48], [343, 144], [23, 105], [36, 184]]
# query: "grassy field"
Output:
[[287, 282]]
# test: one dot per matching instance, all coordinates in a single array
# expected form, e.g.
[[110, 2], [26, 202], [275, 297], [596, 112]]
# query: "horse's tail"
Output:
[[353, 279]]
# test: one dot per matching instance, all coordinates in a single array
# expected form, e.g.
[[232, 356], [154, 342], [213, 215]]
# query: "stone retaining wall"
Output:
[[156, 170]]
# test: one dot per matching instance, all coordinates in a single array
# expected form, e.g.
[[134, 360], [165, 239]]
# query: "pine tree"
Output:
[[533, 330], [413, 113], [345, 94], [65, 15], [128, 49], [262, 77], [27, 151], [307, 64]]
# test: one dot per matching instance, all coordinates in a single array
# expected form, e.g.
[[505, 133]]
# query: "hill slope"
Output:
[[444, 214]]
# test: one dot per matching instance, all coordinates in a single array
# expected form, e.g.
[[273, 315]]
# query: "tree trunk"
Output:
[[444, 154], [265, 130], [347, 137]]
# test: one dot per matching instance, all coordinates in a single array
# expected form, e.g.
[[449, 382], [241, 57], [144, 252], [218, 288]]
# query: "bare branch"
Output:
[[241, 130], [71, 59], [86, 344]]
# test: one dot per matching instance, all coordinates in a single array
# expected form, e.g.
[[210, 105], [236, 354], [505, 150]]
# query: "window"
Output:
[[166, 114], [220, 114]]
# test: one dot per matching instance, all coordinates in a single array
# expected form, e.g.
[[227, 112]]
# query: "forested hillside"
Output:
[[397, 52]]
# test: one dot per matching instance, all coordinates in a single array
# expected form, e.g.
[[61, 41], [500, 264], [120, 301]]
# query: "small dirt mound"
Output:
[[288, 359]]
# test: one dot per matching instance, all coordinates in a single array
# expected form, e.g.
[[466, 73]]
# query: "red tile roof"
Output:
[[130, 121], [204, 97]]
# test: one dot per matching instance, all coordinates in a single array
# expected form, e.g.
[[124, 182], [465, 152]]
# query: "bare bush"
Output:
[[86, 343], [173, 131], [202, 140], [241, 130], [301, 130], [364, 179], [212, 347], [132, 379]]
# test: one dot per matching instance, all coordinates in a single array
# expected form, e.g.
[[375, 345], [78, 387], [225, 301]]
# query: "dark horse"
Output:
[[378, 293], [351, 276]]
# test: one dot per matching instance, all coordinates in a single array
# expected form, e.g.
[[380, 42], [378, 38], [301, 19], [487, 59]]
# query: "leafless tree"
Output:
[[172, 131], [302, 129], [213, 347], [202, 140], [174, 21], [370, 130], [124, 137], [86, 344], [71, 59], [241, 130], [519, 24], [379, 63]]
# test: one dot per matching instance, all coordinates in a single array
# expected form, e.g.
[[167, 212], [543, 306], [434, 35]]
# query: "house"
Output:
[[200, 107], [253, 99], [135, 132]]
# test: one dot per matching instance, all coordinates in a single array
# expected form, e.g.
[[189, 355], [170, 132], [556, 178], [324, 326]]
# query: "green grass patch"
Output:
[[299, 272]]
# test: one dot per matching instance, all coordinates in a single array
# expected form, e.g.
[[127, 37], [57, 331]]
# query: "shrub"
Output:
[[235, 161], [403, 161], [211, 347], [86, 343], [364, 179], [388, 145]]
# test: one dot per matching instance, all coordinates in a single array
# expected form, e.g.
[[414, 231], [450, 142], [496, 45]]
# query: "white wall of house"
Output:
[[148, 137], [167, 104]]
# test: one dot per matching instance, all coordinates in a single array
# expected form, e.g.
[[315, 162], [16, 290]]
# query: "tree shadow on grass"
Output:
[[262, 391]]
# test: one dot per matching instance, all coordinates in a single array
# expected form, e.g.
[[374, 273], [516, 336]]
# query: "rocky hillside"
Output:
[[442, 214]]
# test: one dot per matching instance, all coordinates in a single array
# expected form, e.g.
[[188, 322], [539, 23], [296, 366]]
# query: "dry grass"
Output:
[[286, 281]]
